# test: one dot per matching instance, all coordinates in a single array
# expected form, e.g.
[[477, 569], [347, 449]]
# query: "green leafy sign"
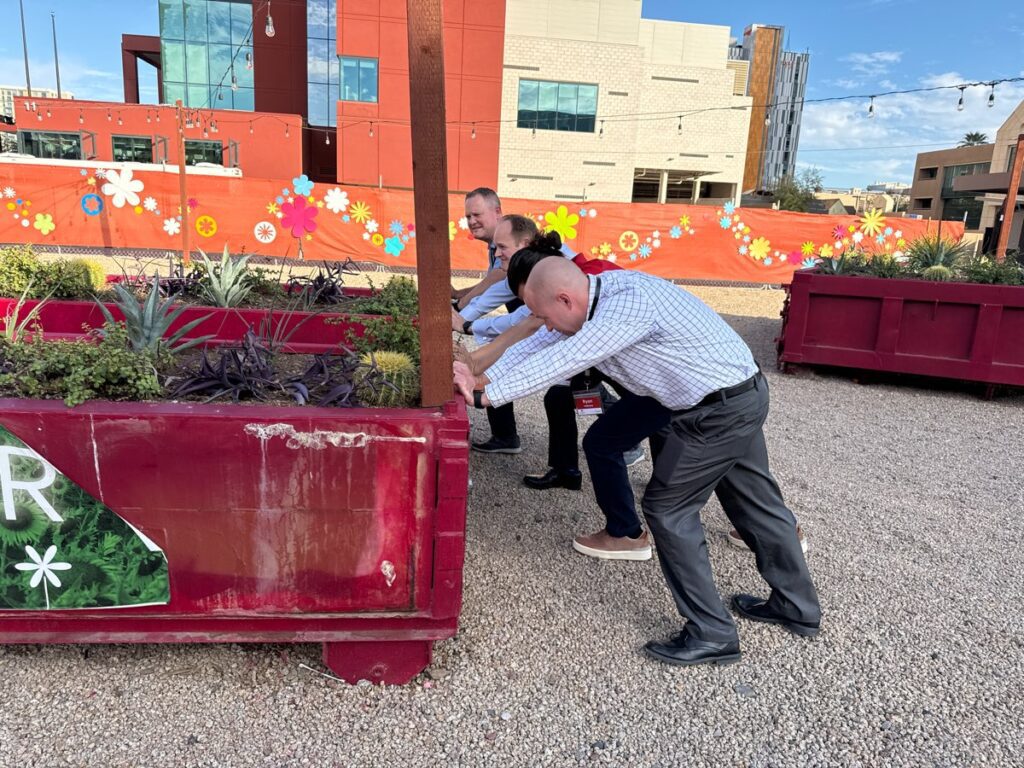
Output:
[[60, 548]]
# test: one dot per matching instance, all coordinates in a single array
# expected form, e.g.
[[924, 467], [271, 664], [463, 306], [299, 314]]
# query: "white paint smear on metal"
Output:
[[320, 439]]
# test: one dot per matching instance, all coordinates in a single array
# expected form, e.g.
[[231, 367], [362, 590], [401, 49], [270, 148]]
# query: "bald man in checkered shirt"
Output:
[[699, 396]]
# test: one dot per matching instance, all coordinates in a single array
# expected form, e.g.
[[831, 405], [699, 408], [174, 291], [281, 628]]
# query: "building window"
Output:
[[951, 172], [50, 145], [132, 149], [923, 202], [358, 79], [965, 208], [924, 174], [551, 106], [1010, 158], [322, 67], [205, 53], [199, 151]]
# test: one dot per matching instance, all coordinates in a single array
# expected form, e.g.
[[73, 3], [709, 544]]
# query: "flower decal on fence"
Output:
[[92, 204], [122, 188], [759, 248], [172, 226], [872, 223], [360, 212], [562, 222], [394, 246], [302, 185], [336, 200], [299, 217], [44, 223], [206, 226], [265, 232]]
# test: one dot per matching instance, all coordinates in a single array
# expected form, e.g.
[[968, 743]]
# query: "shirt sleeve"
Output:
[[515, 354], [622, 322], [488, 301], [489, 328]]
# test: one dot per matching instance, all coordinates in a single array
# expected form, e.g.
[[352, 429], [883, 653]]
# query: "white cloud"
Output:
[[874, 63], [847, 84], [854, 150]]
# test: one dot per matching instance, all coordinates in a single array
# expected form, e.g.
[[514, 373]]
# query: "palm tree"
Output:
[[973, 139]]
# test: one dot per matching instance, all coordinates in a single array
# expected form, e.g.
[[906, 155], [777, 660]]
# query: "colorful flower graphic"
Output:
[[192, 203], [767, 261], [9, 192], [377, 239], [684, 222], [759, 248], [628, 240], [605, 248], [807, 249], [729, 207], [839, 232], [92, 204], [372, 226], [463, 223], [44, 223], [122, 188], [394, 246], [644, 251], [272, 208], [858, 236], [172, 226], [872, 222], [725, 222], [299, 217], [302, 185], [675, 233], [149, 204], [452, 230], [743, 250], [808, 263], [562, 222], [44, 568], [826, 251], [265, 232], [360, 212], [206, 226], [397, 228], [336, 200]]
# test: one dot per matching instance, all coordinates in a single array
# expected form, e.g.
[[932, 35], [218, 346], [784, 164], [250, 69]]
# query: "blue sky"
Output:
[[857, 47]]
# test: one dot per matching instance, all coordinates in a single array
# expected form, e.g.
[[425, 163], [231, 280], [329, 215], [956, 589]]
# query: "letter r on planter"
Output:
[[32, 487]]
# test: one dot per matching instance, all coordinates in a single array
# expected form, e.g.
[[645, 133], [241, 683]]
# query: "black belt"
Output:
[[721, 395]]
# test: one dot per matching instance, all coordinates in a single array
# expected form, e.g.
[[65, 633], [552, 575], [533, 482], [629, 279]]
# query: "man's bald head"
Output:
[[558, 293]]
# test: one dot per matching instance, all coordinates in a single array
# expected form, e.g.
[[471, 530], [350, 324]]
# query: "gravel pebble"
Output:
[[912, 502]]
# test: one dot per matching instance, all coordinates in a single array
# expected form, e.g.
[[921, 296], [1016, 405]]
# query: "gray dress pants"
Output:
[[720, 448]]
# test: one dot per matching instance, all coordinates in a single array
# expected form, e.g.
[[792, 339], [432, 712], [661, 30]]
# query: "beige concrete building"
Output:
[[599, 103], [8, 92], [1004, 152]]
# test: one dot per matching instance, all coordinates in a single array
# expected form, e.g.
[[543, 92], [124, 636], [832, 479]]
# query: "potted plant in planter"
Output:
[[934, 310], [155, 488]]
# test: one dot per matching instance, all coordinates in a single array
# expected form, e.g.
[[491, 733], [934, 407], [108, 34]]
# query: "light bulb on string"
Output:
[[220, 95], [39, 116], [234, 80], [119, 120], [767, 117], [960, 101], [992, 96], [287, 132], [48, 112], [327, 138], [371, 130], [269, 29], [600, 133], [250, 129], [158, 115], [149, 117], [109, 116], [81, 117], [248, 60], [472, 134], [213, 126], [680, 128], [871, 107]]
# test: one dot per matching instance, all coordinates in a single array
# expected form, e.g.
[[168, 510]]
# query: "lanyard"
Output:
[[597, 295]]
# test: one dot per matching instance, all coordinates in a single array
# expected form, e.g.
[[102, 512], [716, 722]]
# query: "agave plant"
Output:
[[226, 284], [15, 326], [934, 251], [147, 322]]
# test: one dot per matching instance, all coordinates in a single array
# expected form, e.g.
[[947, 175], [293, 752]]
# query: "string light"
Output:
[[600, 133], [109, 116], [250, 128], [269, 29], [327, 138], [81, 117], [371, 130], [234, 80], [960, 101], [119, 120], [871, 107], [213, 126], [48, 112], [149, 117], [680, 125], [472, 133], [39, 116], [767, 117], [248, 60], [992, 96], [287, 132]]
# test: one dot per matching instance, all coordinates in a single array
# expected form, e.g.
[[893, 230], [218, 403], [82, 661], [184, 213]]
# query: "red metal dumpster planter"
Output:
[[304, 332], [167, 523], [963, 331]]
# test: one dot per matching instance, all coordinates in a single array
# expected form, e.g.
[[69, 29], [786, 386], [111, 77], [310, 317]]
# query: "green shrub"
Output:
[[19, 267], [986, 269], [76, 371], [398, 298], [940, 273], [935, 251], [97, 273], [388, 334], [64, 279], [226, 283], [885, 265]]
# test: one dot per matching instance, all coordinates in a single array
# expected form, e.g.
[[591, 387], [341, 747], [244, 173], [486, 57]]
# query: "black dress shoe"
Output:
[[499, 445], [755, 609], [554, 478], [683, 650]]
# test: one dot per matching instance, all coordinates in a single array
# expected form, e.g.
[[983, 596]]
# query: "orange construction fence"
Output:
[[121, 207]]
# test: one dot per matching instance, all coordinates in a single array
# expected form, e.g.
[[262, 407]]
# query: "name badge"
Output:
[[588, 403]]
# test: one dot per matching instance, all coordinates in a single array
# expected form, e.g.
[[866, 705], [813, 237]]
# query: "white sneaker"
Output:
[[734, 539]]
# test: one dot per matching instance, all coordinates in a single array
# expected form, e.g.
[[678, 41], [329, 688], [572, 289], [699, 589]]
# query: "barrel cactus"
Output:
[[390, 380], [938, 272]]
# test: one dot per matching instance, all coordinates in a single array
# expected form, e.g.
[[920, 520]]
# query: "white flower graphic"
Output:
[[44, 568], [858, 236], [149, 204], [372, 226], [100, 173], [265, 232], [463, 223], [122, 188], [336, 200], [9, 192], [366, 235], [172, 226]]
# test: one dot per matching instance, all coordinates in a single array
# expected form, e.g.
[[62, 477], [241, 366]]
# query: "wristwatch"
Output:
[[478, 395], [467, 327]]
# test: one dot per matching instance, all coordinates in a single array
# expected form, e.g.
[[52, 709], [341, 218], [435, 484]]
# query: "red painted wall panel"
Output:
[[474, 49]]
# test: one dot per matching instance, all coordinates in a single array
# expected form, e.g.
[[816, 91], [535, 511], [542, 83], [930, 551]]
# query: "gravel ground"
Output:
[[912, 502]]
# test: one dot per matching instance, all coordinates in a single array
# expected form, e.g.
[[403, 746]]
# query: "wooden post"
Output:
[[186, 253], [430, 184], [1011, 200]]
